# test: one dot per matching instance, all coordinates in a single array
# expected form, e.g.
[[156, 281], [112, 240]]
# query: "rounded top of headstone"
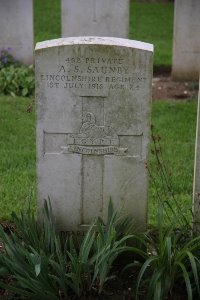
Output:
[[92, 40]]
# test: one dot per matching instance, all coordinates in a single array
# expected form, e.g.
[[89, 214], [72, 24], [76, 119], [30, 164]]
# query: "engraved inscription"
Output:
[[92, 141], [80, 73], [90, 129], [94, 150], [91, 134], [53, 144]]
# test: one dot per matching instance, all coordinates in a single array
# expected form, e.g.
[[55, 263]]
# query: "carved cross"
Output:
[[94, 140]]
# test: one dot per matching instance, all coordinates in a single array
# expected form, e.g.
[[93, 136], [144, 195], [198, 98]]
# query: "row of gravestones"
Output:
[[102, 18], [79, 18], [93, 129]]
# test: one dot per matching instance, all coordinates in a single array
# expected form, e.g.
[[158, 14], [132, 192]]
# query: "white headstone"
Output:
[[186, 42], [93, 117], [95, 17], [16, 29], [196, 189]]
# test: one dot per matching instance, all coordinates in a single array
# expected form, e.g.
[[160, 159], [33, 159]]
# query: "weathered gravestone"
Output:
[[16, 28], [95, 17], [186, 43], [196, 189], [93, 118]]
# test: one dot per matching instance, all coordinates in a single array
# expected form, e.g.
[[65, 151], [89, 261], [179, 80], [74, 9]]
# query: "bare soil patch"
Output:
[[164, 87]]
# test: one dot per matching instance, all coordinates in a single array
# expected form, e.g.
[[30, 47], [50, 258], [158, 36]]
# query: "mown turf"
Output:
[[174, 121], [17, 153], [153, 23], [47, 20]]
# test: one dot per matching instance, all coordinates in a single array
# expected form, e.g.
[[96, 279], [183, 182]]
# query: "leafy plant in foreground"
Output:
[[42, 238], [28, 255], [171, 259], [44, 266], [109, 243], [90, 267]]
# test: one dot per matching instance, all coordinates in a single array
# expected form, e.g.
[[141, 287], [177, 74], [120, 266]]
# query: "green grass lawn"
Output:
[[17, 153], [47, 20], [174, 121], [149, 22], [153, 23]]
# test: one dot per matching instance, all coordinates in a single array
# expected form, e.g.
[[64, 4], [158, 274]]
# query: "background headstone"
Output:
[[16, 28], [186, 41], [196, 189], [93, 121], [95, 17]]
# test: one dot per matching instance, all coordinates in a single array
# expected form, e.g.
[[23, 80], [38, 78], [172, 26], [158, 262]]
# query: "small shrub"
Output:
[[15, 79], [7, 59]]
